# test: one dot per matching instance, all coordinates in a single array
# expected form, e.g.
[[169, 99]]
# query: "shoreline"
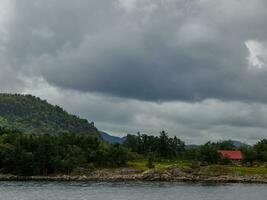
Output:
[[168, 175]]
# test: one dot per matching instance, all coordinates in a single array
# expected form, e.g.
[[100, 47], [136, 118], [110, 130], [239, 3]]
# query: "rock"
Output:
[[151, 175], [125, 171], [174, 171], [188, 170]]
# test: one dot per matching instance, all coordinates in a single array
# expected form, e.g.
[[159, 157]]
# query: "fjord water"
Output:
[[128, 191]]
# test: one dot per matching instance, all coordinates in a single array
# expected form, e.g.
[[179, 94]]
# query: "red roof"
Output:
[[233, 155]]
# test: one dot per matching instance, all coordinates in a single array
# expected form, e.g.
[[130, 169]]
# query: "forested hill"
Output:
[[32, 115]]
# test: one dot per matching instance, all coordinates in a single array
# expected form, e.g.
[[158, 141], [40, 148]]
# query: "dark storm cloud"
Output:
[[196, 68], [148, 50]]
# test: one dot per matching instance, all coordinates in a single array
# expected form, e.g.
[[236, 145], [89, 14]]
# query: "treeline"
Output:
[[32, 154], [160, 146], [209, 152], [166, 147], [29, 154]]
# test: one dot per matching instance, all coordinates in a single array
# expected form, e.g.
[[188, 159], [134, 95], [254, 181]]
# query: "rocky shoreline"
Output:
[[167, 175]]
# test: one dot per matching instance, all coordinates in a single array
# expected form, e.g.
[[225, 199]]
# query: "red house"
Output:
[[233, 155]]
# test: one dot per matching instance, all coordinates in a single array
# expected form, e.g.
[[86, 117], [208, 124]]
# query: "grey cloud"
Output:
[[10, 81], [150, 50], [144, 65]]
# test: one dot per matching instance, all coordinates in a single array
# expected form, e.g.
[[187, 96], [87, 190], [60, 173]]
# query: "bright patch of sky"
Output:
[[257, 54], [128, 5]]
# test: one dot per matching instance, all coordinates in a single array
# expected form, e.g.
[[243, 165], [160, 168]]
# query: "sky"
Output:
[[194, 68]]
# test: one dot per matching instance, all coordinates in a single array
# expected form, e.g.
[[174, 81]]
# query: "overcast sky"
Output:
[[195, 68]]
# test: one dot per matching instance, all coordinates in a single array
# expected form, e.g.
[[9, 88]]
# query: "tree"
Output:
[[131, 142], [261, 150], [164, 149], [249, 154], [150, 161], [208, 153], [225, 145], [118, 155]]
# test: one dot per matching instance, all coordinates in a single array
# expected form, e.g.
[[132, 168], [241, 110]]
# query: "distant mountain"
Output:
[[32, 115], [112, 139], [236, 144], [239, 144], [191, 146]]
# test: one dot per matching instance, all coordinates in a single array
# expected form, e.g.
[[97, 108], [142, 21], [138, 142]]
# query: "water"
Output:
[[129, 191]]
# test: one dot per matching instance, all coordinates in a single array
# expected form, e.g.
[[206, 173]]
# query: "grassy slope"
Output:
[[248, 170], [141, 164], [212, 169]]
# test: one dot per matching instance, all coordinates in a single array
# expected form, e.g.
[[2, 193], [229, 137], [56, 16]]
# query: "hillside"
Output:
[[32, 115]]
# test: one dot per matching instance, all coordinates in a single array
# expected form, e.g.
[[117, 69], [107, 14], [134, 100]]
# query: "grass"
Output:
[[231, 169], [247, 170], [161, 165]]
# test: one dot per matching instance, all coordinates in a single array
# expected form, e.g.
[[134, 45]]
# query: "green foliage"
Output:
[[249, 154], [208, 153], [29, 154], [256, 153], [191, 154], [150, 161], [162, 146], [117, 155], [225, 161], [225, 145], [261, 150], [33, 115]]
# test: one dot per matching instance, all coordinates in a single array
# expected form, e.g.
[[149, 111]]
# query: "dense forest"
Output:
[[43, 154], [32, 115]]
